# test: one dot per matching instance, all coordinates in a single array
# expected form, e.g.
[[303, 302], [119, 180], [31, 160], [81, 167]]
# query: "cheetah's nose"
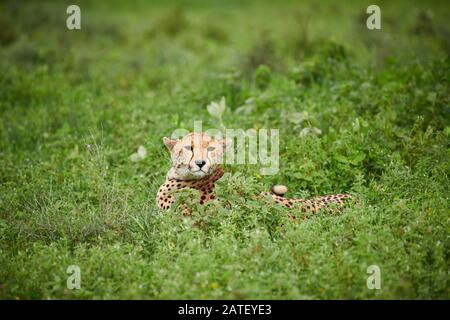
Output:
[[200, 163]]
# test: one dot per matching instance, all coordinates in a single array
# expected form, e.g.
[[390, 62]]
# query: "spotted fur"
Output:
[[205, 187], [195, 164]]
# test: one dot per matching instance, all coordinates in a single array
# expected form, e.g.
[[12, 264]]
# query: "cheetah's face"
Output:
[[196, 155]]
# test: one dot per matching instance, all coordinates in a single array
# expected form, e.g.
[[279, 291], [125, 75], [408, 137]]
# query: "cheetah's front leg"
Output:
[[163, 198]]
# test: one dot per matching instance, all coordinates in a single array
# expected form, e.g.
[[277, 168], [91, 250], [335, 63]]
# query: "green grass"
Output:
[[135, 72]]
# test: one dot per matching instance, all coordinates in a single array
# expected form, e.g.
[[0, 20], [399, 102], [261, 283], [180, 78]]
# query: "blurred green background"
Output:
[[360, 111]]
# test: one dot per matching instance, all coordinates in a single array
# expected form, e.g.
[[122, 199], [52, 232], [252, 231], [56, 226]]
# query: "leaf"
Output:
[[355, 125], [216, 109], [142, 152], [297, 175], [310, 131], [316, 131], [432, 97], [246, 108], [298, 117], [447, 131], [139, 155], [74, 153], [358, 158], [340, 158]]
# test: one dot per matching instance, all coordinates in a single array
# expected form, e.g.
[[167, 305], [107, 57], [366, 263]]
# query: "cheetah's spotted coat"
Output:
[[195, 164]]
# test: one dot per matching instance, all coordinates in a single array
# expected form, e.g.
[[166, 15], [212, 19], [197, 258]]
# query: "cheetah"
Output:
[[196, 164]]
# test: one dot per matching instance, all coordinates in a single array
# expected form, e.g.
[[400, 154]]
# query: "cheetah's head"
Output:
[[196, 155]]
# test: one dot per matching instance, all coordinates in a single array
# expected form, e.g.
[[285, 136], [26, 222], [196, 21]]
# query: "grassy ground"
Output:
[[135, 72]]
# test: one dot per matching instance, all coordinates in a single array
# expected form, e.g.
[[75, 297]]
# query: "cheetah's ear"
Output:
[[169, 143]]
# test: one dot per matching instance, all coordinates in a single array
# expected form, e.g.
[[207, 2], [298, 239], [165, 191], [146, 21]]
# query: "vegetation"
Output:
[[360, 111]]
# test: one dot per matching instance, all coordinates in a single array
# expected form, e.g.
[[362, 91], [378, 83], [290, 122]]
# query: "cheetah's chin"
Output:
[[198, 173]]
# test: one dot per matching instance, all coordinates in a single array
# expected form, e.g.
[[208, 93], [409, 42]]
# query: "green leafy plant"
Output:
[[216, 110]]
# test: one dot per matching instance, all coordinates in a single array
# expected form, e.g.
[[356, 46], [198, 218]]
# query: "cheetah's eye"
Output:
[[190, 148], [210, 148]]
